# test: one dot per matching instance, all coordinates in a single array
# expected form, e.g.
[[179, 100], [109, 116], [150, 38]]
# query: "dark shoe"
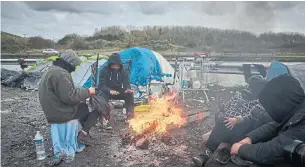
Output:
[[240, 162], [85, 139], [201, 159], [222, 156]]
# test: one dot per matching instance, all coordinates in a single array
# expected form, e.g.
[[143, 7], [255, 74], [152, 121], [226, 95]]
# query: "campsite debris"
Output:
[[169, 139], [206, 136], [142, 143], [39, 143]]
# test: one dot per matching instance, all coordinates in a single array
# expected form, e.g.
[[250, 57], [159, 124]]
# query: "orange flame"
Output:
[[162, 115]]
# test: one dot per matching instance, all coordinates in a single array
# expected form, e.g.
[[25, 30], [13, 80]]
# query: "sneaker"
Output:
[[85, 139], [98, 124], [222, 156], [201, 159], [106, 125]]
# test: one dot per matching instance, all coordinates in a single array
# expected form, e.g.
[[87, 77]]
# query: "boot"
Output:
[[202, 158], [222, 156], [85, 139], [236, 160]]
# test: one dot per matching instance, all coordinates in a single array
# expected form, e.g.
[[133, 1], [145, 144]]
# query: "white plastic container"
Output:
[[40, 149]]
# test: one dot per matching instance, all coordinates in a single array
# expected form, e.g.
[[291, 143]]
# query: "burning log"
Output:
[[162, 117], [142, 143]]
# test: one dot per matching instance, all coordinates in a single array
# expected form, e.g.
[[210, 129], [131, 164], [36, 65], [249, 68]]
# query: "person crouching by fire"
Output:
[[114, 83], [241, 114], [284, 100], [61, 102]]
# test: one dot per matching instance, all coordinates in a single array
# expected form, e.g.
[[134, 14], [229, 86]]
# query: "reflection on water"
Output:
[[226, 80]]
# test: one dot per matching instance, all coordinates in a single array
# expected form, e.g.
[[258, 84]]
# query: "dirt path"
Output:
[[22, 117]]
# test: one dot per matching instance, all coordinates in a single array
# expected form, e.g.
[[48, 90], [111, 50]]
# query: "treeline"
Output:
[[185, 38], [12, 43]]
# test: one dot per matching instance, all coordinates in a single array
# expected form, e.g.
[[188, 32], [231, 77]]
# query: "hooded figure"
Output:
[[283, 98], [61, 101], [114, 83], [241, 114]]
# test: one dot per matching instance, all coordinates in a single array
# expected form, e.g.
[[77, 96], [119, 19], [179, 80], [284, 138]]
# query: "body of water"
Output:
[[226, 80]]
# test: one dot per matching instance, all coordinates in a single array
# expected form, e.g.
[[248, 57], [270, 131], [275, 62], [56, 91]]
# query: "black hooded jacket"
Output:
[[283, 98], [114, 79]]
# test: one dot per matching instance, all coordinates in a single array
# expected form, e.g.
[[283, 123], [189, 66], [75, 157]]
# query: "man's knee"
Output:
[[129, 98]]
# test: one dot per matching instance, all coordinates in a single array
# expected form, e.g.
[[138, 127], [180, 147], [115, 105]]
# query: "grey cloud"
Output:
[[284, 5], [14, 10], [107, 8], [83, 17], [215, 8], [74, 7], [152, 8]]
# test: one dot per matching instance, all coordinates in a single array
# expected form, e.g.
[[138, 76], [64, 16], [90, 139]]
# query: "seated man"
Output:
[[61, 101], [284, 99], [242, 114], [114, 83]]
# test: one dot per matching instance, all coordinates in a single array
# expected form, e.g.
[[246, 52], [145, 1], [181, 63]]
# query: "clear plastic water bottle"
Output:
[[39, 143]]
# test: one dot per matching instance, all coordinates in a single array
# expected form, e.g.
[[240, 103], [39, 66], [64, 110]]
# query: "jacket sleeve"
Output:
[[67, 93], [263, 133], [271, 152], [126, 82], [260, 114], [245, 118], [103, 82]]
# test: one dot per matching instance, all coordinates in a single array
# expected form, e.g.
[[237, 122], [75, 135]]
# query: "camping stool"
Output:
[[64, 141]]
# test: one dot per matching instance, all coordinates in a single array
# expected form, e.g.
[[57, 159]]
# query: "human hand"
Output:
[[235, 147], [246, 140], [128, 91], [113, 92], [230, 122], [91, 91]]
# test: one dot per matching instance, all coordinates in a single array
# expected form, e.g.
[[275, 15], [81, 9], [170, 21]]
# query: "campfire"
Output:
[[161, 116]]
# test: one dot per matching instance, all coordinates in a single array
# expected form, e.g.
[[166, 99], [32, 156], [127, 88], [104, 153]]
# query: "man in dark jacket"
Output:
[[242, 114], [61, 101], [283, 98], [114, 83]]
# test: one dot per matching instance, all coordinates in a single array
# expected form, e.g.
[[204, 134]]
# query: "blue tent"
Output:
[[276, 68], [143, 65]]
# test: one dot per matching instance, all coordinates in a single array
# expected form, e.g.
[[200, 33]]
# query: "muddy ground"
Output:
[[21, 117]]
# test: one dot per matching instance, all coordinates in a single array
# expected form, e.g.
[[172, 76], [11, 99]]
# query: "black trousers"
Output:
[[87, 119], [128, 98], [221, 133]]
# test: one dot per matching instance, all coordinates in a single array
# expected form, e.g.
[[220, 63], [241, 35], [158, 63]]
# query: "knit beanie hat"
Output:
[[71, 57]]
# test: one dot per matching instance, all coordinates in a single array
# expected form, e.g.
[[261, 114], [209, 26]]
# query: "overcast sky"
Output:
[[56, 19]]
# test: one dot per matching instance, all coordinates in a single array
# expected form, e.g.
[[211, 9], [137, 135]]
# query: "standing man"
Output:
[[114, 83], [61, 101]]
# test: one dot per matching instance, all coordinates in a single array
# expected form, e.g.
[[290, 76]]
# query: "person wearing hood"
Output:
[[284, 99], [241, 114], [114, 83], [61, 102]]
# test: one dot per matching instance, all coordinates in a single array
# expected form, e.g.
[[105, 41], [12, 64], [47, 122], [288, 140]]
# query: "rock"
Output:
[[206, 136], [168, 140], [142, 143]]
